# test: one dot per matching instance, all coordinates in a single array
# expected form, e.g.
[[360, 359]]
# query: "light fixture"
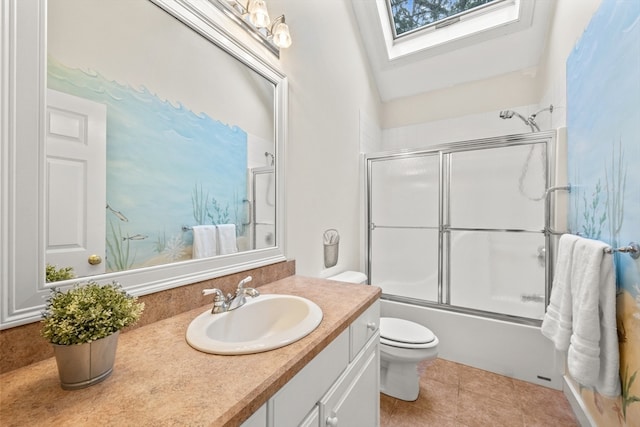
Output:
[[258, 14], [254, 17], [280, 32]]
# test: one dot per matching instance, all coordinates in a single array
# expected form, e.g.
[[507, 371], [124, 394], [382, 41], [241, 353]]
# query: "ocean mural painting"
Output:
[[168, 169], [603, 130]]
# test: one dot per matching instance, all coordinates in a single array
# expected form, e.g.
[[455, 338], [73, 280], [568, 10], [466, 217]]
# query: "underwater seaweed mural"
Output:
[[603, 131], [119, 255], [156, 150], [594, 214], [615, 185]]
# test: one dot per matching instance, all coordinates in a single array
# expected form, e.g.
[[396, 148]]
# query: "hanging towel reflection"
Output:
[[212, 240], [205, 241], [226, 239]]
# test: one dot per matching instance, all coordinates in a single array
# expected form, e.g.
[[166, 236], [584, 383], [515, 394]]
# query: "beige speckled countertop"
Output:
[[159, 380]]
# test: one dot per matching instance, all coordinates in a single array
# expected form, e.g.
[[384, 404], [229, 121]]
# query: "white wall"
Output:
[[462, 128], [137, 44], [496, 93], [470, 111], [330, 87]]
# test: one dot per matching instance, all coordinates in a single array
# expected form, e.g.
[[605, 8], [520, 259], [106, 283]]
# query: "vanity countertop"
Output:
[[159, 380]]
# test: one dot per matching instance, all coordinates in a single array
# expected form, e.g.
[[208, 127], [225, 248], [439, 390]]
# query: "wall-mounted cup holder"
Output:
[[331, 240]]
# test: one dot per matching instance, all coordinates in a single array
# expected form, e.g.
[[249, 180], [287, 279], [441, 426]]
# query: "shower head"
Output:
[[271, 159], [506, 114], [529, 121]]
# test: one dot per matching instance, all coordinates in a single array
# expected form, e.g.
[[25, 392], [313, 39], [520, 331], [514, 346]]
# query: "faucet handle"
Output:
[[244, 282], [219, 301], [215, 291]]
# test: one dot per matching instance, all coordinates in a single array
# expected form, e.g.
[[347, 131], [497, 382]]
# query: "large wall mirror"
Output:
[[145, 147]]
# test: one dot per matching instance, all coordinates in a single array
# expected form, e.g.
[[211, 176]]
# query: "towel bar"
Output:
[[632, 249]]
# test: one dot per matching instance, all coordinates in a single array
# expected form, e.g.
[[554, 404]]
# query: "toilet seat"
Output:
[[405, 334]]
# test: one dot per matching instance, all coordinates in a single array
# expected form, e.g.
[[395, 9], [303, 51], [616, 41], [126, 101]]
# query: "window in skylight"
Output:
[[409, 16]]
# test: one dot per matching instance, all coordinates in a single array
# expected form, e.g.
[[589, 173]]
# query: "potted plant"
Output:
[[83, 325]]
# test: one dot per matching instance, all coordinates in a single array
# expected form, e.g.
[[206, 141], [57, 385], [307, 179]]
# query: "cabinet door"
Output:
[[258, 419], [313, 419], [363, 328], [354, 400], [293, 402]]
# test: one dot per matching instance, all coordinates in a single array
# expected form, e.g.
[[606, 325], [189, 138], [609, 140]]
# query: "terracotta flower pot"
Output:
[[82, 365]]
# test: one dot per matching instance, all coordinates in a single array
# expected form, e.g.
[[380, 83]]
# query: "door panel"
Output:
[[75, 182]]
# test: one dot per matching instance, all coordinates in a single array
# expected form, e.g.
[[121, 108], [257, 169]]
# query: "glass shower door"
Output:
[[495, 230], [404, 225]]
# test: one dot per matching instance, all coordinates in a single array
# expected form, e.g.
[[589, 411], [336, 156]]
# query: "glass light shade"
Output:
[[281, 36], [258, 14]]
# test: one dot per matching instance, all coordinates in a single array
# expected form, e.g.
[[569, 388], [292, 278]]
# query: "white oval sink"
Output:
[[263, 323]]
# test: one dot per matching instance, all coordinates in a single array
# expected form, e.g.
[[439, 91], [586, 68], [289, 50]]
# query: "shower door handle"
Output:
[[542, 256], [249, 210]]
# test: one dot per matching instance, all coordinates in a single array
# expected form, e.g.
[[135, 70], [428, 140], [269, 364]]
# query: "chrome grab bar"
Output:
[[547, 208], [548, 232]]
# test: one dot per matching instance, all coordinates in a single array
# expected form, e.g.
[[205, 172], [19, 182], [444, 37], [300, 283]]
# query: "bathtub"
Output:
[[515, 350]]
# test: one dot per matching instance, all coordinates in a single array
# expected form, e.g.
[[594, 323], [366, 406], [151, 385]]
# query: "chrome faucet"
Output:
[[222, 304]]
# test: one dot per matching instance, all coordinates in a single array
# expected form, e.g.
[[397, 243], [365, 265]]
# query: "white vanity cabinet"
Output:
[[349, 402], [258, 419], [338, 387]]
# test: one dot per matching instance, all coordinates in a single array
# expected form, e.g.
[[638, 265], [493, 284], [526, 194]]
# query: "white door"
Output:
[[75, 183]]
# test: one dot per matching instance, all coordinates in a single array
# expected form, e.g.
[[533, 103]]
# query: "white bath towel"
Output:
[[204, 241], [557, 322], [593, 358], [227, 239]]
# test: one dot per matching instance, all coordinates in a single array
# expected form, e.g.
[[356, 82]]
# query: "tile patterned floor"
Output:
[[455, 395]]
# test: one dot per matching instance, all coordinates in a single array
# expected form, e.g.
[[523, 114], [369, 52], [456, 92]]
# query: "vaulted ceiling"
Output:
[[512, 41]]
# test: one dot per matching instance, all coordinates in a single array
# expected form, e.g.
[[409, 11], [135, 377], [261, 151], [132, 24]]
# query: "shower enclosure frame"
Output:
[[444, 152], [256, 213]]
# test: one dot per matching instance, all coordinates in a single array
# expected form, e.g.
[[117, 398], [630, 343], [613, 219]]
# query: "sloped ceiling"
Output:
[[506, 49]]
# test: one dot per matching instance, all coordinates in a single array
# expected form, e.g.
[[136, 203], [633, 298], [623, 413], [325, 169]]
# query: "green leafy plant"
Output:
[[88, 313], [55, 274]]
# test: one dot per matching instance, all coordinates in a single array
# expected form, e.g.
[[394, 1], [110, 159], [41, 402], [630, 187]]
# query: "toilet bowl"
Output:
[[403, 345]]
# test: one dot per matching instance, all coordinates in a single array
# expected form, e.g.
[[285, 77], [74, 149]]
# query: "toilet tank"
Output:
[[350, 277]]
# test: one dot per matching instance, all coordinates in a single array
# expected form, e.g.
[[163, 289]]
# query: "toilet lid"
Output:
[[404, 331]]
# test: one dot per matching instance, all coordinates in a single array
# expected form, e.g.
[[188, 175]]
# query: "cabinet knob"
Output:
[[371, 326], [332, 421]]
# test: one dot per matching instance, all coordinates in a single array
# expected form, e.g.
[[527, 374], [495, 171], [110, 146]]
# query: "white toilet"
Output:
[[403, 344]]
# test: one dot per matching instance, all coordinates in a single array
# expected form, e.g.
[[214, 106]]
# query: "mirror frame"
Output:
[[23, 84]]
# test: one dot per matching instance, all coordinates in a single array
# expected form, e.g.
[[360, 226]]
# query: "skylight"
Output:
[[409, 16]]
